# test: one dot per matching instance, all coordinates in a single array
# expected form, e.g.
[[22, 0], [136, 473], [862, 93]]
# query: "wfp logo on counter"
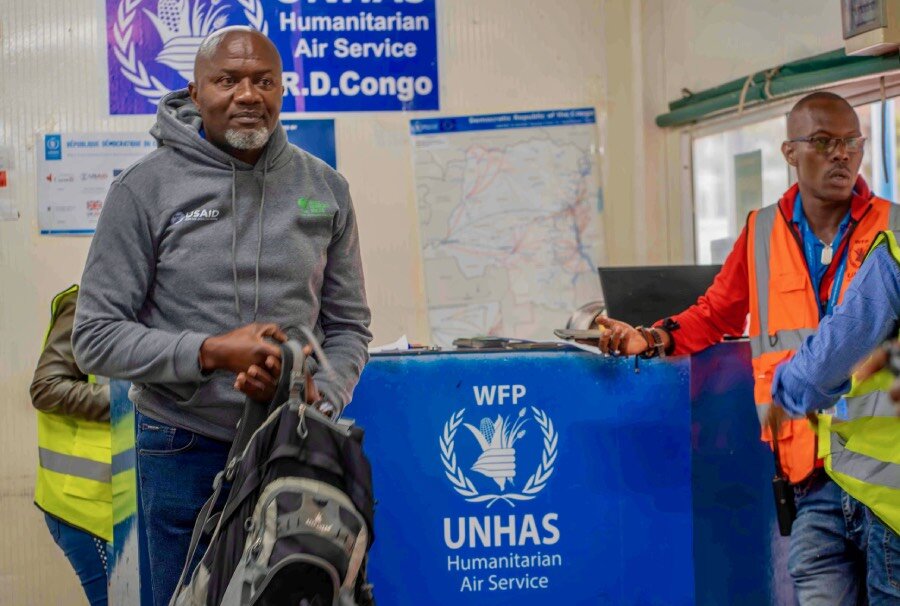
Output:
[[493, 452], [181, 25], [505, 452]]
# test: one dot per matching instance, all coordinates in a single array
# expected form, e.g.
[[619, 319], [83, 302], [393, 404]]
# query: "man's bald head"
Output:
[[825, 147], [802, 119], [210, 45]]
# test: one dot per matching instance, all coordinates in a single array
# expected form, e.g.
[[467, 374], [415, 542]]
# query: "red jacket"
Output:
[[723, 309]]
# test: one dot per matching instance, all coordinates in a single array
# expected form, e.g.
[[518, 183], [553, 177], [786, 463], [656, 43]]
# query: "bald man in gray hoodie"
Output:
[[206, 250]]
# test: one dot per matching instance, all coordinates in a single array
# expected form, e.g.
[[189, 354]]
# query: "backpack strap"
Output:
[[202, 518], [255, 413], [254, 416]]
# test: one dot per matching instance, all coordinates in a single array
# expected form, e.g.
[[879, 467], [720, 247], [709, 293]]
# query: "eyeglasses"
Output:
[[826, 145]]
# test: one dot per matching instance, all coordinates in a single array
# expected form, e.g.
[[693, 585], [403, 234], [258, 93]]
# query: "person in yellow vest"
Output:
[[73, 477], [858, 426], [790, 267]]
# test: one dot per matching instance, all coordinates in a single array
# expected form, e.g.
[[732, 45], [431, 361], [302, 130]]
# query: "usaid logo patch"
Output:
[[202, 214]]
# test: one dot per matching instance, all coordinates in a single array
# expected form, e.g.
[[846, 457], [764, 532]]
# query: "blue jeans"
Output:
[[86, 553], [883, 578], [827, 559], [176, 469]]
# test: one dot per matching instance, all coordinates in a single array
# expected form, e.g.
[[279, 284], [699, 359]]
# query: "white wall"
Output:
[[710, 42], [692, 44], [496, 56]]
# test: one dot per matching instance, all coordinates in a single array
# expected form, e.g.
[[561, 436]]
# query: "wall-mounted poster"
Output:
[[74, 172], [347, 55], [509, 219]]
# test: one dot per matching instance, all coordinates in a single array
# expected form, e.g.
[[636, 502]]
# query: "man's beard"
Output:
[[247, 139]]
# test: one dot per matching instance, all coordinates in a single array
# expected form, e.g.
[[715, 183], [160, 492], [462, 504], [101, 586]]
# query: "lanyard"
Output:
[[809, 249], [837, 282]]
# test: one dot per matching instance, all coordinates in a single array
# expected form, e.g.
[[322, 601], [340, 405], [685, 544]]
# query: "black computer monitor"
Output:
[[643, 295]]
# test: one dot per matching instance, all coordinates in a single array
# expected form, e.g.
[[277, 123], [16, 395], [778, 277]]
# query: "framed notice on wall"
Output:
[[861, 16], [74, 172]]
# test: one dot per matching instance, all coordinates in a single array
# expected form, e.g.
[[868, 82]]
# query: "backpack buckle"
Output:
[[231, 468], [302, 430]]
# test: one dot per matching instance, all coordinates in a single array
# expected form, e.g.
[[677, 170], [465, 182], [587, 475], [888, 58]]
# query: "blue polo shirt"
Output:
[[813, 247]]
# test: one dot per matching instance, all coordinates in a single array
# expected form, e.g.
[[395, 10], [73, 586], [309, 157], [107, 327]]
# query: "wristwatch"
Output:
[[655, 346]]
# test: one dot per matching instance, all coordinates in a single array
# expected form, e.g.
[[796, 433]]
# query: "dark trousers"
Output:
[[176, 468]]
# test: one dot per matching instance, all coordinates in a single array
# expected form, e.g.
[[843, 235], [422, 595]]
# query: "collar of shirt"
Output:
[[813, 247]]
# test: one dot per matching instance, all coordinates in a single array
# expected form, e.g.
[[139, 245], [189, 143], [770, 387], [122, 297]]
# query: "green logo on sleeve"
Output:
[[312, 208]]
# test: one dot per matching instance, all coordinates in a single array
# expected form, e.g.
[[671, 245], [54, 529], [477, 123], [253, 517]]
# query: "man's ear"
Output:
[[789, 153], [192, 91]]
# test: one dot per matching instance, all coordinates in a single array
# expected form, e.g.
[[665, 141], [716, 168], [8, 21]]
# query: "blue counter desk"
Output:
[[558, 478]]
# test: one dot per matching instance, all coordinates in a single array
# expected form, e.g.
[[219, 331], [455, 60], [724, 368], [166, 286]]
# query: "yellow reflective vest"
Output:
[[862, 453], [74, 468]]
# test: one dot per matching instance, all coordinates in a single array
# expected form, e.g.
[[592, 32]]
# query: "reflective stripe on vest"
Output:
[[875, 404], [762, 412], [765, 221], [894, 218], [782, 340], [74, 466], [863, 468]]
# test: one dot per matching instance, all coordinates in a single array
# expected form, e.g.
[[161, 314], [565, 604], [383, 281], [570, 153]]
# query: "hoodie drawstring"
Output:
[[262, 204], [237, 296]]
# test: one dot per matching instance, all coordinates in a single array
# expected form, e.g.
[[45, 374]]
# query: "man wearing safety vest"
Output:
[[859, 439], [790, 267], [73, 476]]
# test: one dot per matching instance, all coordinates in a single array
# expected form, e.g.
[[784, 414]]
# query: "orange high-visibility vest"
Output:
[[784, 310]]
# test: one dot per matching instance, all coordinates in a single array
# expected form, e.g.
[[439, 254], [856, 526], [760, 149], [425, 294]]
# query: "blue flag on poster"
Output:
[[338, 55], [313, 136]]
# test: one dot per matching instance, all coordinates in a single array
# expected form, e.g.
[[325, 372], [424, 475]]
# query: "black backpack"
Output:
[[298, 521]]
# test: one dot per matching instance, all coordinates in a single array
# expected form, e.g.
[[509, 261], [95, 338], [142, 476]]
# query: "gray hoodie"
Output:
[[193, 242]]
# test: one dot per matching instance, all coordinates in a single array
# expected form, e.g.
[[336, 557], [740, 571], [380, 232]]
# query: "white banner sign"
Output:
[[74, 173]]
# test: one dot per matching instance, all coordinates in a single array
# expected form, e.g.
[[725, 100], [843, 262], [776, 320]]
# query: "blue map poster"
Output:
[[510, 220]]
